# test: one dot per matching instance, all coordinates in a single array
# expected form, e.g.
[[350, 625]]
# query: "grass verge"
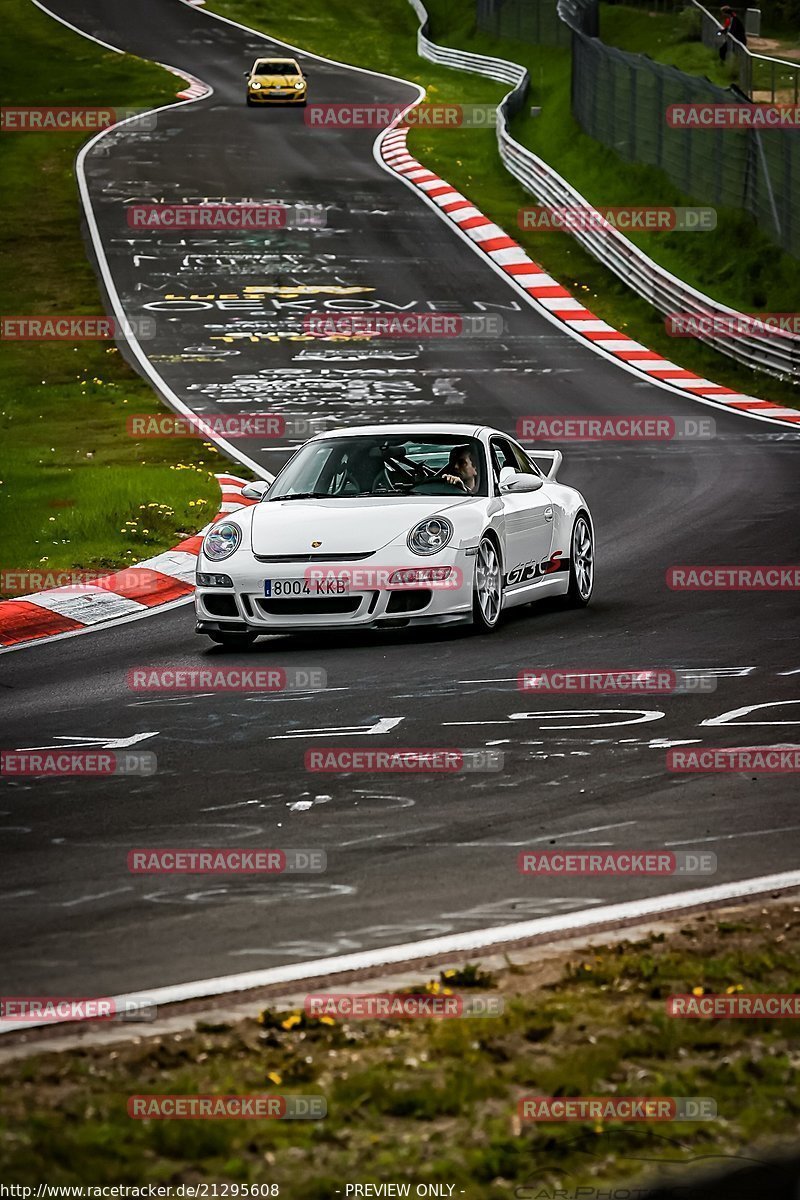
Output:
[[756, 277], [436, 1101], [76, 491]]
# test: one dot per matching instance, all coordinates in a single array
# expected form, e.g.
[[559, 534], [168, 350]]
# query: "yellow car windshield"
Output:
[[275, 68]]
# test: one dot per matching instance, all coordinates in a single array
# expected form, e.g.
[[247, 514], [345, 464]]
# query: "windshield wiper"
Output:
[[303, 496]]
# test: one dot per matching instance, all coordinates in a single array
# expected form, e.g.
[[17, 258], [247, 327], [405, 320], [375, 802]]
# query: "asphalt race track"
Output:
[[408, 857]]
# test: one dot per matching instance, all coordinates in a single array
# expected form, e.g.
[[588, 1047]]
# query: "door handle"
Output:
[[548, 513]]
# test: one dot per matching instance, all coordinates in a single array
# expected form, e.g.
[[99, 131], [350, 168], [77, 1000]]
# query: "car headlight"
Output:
[[430, 536], [255, 86], [300, 85], [221, 541]]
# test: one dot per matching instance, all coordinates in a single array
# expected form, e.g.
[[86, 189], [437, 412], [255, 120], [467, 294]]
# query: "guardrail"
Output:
[[775, 76], [494, 68], [775, 353]]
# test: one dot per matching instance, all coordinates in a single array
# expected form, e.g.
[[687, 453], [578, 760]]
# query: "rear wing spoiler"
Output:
[[554, 457]]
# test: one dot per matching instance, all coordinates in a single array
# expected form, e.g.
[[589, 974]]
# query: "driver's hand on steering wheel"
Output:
[[454, 479]]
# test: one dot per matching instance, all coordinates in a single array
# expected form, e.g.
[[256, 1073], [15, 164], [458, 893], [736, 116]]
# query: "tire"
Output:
[[487, 598], [234, 641], [581, 564]]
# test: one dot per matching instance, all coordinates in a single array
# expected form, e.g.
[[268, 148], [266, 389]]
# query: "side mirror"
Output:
[[518, 481], [256, 490]]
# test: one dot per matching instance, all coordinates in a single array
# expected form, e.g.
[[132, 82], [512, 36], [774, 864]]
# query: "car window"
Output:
[[268, 67], [379, 465], [525, 466], [503, 455]]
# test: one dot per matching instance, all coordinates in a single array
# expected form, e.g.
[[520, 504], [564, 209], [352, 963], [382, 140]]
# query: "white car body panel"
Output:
[[368, 535]]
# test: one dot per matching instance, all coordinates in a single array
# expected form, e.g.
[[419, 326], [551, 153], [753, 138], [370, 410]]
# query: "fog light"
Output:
[[204, 580], [413, 576]]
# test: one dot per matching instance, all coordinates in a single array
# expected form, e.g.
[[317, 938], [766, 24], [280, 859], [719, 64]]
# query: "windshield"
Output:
[[438, 465], [266, 67]]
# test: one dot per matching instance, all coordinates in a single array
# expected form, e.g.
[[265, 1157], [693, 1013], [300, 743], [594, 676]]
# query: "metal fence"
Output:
[[621, 100], [775, 354], [534, 21], [760, 77]]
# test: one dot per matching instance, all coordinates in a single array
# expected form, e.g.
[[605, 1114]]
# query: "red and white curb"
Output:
[[513, 261], [196, 89], [133, 591]]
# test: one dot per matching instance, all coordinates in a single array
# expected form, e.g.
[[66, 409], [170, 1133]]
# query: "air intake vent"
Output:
[[314, 558], [313, 607]]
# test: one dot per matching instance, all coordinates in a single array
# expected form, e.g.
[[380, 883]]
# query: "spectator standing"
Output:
[[732, 28]]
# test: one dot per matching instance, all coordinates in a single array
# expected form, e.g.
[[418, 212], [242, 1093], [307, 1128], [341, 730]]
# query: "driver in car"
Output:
[[462, 469]]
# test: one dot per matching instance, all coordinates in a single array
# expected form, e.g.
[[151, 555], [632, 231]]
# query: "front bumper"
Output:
[[285, 96], [367, 604]]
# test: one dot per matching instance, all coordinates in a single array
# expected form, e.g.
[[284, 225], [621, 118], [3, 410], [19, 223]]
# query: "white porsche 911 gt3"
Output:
[[382, 526]]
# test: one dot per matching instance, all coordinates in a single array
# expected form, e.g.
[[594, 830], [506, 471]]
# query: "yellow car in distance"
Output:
[[276, 81]]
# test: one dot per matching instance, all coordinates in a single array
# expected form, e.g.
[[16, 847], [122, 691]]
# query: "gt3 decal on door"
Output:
[[526, 572]]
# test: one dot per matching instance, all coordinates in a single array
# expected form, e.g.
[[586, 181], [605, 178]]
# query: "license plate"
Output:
[[305, 587]]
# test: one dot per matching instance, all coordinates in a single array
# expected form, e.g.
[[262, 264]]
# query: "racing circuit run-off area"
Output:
[[399, 595]]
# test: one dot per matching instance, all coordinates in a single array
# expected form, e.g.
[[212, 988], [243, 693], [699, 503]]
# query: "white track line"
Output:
[[452, 944]]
